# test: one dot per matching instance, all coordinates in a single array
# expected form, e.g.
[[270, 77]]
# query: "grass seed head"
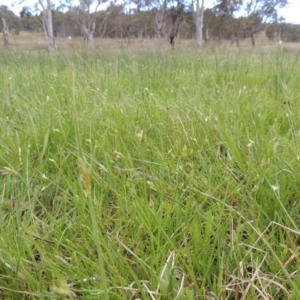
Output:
[[85, 177]]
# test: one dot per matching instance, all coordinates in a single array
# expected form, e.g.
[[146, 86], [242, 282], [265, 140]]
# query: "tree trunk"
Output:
[[159, 23], [206, 38], [90, 41], [140, 34], [5, 32], [48, 26], [103, 25], [252, 38], [88, 34], [199, 15], [174, 30]]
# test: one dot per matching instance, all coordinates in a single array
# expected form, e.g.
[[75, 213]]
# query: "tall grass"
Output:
[[170, 176]]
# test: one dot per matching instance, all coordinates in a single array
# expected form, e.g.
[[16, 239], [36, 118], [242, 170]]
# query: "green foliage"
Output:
[[284, 32], [166, 176], [10, 18]]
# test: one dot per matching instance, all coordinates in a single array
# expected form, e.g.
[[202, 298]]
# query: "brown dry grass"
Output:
[[35, 41]]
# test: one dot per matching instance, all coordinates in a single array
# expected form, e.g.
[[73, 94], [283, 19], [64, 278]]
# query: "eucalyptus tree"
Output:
[[177, 16], [29, 21], [9, 22], [85, 14], [4, 14], [260, 12], [45, 7], [169, 14], [283, 32], [4, 30], [255, 13], [221, 20], [160, 9], [199, 16]]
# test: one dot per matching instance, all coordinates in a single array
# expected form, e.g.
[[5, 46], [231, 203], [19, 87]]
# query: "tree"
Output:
[[4, 30], [28, 21], [199, 15], [103, 18], [260, 12], [86, 14], [9, 22], [254, 24], [222, 20], [283, 32], [5, 14], [169, 14], [45, 5], [177, 16], [160, 9], [256, 12]]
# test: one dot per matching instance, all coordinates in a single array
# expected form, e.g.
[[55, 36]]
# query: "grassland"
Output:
[[150, 176]]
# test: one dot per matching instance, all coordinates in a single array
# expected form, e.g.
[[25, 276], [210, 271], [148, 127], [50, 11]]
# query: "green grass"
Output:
[[151, 176]]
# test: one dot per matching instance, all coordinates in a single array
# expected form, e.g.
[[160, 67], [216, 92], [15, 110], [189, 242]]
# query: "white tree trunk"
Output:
[[90, 41], [159, 23], [5, 32], [47, 25], [199, 15], [88, 34]]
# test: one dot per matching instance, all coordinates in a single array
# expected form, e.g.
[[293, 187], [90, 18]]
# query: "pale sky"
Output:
[[291, 13]]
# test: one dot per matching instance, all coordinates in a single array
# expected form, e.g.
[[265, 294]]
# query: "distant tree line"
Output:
[[232, 20], [283, 32]]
